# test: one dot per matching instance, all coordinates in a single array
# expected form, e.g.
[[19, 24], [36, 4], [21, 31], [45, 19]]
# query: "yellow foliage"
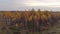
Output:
[[8, 14], [44, 17], [35, 17], [30, 18], [49, 15]]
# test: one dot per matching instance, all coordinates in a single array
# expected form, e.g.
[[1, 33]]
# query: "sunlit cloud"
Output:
[[48, 3]]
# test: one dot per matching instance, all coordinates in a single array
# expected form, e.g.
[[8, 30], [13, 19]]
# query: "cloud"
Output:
[[21, 4], [48, 3]]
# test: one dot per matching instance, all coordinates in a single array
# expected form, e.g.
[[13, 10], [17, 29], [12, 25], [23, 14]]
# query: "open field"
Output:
[[29, 22]]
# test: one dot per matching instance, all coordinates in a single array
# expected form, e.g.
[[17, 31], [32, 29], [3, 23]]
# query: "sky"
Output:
[[53, 5]]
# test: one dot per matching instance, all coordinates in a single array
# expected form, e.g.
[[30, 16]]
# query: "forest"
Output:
[[29, 22]]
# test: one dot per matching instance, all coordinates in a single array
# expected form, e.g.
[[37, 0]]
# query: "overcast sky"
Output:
[[29, 4]]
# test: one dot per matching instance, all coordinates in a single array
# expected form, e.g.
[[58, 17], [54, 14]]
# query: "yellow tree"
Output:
[[8, 14], [18, 15]]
